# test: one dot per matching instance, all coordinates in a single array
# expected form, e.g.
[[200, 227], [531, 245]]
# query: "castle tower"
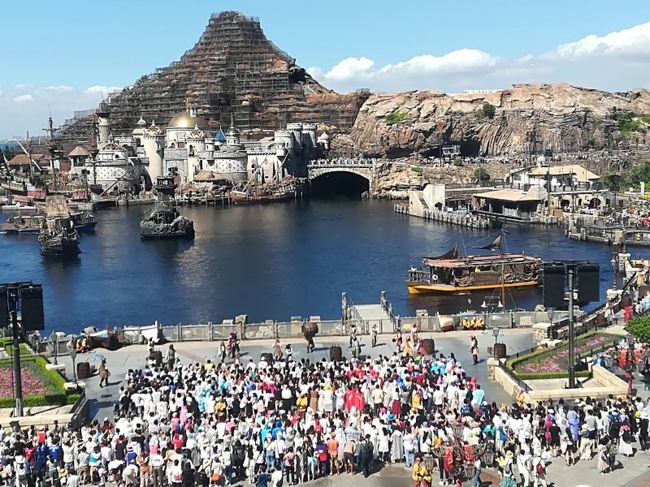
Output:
[[153, 142], [232, 136]]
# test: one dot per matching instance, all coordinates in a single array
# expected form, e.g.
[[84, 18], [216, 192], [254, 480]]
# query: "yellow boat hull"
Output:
[[423, 288]]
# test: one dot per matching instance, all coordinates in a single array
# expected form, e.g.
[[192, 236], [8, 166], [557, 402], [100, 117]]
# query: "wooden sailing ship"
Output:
[[451, 273]]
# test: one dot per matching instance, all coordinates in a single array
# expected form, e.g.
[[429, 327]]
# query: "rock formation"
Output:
[[232, 69], [527, 119]]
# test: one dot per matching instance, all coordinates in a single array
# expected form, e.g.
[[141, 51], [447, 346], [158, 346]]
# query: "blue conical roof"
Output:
[[220, 136]]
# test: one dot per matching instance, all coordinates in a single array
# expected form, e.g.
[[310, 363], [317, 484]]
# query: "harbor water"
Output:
[[269, 262]]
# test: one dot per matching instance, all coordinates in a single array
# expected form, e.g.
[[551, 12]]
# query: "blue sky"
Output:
[[68, 53]]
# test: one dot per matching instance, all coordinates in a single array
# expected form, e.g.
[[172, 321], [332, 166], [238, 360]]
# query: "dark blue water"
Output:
[[268, 262]]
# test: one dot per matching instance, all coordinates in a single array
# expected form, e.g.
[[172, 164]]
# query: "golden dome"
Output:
[[184, 120]]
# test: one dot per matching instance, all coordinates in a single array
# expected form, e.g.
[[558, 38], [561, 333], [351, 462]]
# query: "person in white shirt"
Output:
[[276, 478]]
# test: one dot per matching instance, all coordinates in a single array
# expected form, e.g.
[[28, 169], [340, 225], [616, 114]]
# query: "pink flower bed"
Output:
[[31, 384], [558, 361]]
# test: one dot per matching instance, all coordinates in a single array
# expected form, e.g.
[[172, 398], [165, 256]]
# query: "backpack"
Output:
[[539, 468]]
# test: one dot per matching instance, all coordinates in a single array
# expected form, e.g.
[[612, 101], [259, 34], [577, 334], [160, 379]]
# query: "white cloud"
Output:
[[23, 98], [102, 90], [632, 41], [594, 61], [351, 68], [59, 88]]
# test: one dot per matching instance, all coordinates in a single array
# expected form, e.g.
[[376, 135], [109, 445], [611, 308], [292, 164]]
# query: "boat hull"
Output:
[[60, 248], [427, 288]]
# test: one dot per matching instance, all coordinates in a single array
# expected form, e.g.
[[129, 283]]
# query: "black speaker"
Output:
[[588, 283], [31, 302], [554, 281], [4, 308]]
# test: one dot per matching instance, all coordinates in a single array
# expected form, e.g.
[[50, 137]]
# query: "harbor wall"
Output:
[[271, 329]]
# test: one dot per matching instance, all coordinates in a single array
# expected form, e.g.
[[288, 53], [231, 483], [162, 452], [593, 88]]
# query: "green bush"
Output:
[[645, 119], [458, 162], [489, 110], [628, 126], [417, 169], [395, 117], [639, 327], [481, 174]]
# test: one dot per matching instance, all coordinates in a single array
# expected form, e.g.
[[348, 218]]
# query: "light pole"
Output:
[[73, 355], [572, 359]]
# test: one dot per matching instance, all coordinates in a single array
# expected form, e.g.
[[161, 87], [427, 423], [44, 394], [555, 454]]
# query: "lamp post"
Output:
[[71, 346], [485, 313]]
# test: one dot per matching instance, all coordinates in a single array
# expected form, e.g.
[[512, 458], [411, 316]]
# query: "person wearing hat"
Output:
[[420, 474]]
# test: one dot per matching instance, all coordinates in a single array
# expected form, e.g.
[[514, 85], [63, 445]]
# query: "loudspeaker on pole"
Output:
[[33, 317], [554, 285]]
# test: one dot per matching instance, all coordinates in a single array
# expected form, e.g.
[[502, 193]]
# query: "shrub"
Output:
[[631, 125], [395, 117], [639, 327], [458, 162], [645, 119], [481, 174], [417, 169], [488, 110]]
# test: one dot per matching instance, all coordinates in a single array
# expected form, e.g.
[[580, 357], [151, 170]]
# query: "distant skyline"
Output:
[[69, 55]]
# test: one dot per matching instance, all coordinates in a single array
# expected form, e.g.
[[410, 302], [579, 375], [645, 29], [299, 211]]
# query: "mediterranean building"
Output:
[[186, 147]]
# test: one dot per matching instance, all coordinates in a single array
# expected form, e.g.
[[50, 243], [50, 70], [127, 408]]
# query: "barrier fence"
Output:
[[57, 344]]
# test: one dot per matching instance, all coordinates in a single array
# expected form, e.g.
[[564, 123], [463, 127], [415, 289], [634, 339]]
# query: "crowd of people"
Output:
[[283, 421]]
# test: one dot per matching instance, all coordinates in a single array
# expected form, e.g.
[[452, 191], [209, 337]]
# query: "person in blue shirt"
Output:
[[277, 428], [55, 452], [262, 479]]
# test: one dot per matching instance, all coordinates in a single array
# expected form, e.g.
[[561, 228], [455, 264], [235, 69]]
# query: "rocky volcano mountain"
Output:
[[232, 70], [235, 70], [521, 120]]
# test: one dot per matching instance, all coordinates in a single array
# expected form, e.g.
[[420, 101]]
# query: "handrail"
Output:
[[587, 316]]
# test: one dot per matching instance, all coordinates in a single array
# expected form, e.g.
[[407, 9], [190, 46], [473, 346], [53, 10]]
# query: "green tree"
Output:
[[481, 175], [489, 110], [639, 327]]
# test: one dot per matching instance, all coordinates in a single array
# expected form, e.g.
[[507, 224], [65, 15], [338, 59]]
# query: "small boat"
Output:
[[23, 224], [58, 238], [451, 273], [18, 207], [83, 221], [246, 197]]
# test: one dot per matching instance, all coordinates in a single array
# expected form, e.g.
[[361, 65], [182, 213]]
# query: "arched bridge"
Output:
[[361, 167]]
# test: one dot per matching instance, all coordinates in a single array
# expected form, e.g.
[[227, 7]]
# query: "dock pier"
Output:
[[466, 220]]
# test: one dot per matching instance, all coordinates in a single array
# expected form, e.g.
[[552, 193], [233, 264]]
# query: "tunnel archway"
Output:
[[339, 184]]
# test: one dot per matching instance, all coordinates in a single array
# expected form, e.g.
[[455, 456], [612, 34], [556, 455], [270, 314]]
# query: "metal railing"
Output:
[[588, 321]]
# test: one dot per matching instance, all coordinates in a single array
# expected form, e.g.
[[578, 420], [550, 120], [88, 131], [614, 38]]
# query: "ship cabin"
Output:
[[477, 272]]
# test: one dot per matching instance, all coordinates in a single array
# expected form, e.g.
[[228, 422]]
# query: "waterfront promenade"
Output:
[[634, 473]]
